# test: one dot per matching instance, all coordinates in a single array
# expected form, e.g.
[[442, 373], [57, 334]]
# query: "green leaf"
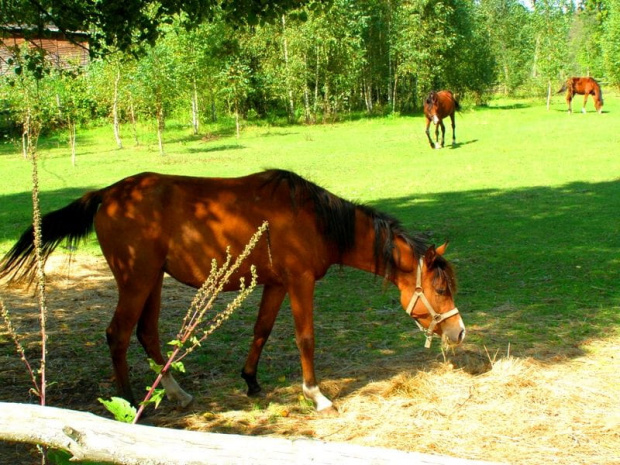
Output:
[[178, 366], [120, 408], [156, 398], [154, 366]]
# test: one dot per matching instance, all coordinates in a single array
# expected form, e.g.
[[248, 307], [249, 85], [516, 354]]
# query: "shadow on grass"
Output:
[[508, 106], [462, 144], [218, 148], [538, 270], [538, 266]]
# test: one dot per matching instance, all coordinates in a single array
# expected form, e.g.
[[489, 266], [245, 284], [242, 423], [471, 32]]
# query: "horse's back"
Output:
[[182, 223], [582, 85], [448, 102]]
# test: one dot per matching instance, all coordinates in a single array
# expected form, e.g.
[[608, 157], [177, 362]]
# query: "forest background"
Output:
[[319, 62]]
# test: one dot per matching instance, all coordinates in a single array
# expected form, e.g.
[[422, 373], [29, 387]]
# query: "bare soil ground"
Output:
[[467, 403]]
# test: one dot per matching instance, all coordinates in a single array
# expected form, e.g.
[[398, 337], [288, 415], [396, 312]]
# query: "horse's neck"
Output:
[[362, 254]]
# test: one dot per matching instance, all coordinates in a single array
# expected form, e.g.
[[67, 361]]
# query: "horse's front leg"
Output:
[[585, 99], [443, 134], [148, 335], [428, 133], [271, 301], [302, 304]]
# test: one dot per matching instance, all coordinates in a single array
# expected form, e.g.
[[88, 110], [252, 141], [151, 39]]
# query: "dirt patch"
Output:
[[467, 403]]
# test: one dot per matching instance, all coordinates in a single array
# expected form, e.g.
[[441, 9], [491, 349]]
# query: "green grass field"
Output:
[[528, 198]]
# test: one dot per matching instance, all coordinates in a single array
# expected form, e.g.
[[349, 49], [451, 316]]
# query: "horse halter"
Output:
[[436, 318]]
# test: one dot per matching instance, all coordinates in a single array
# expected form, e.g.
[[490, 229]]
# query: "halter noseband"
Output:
[[436, 317]]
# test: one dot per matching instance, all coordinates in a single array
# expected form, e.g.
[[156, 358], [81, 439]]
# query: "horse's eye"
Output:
[[441, 291]]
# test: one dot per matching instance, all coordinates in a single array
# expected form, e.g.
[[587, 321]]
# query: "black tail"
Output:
[[563, 89], [73, 222]]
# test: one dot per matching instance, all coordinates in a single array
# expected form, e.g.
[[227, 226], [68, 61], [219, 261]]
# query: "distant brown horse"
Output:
[[584, 86], [151, 224], [437, 106]]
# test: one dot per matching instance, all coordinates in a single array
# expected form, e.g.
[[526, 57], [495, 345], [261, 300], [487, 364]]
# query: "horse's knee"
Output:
[[305, 343], [118, 343]]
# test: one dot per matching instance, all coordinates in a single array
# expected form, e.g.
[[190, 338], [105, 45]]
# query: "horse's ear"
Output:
[[429, 256], [442, 248]]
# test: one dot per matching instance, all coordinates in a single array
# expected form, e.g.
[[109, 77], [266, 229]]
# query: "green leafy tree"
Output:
[[611, 43], [552, 20], [129, 24], [28, 95], [74, 104], [586, 38], [235, 85], [511, 38], [157, 85]]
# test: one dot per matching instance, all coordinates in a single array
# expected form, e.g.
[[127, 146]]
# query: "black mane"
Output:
[[336, 219]]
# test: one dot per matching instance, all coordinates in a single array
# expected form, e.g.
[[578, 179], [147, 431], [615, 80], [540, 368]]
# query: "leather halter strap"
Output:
[[436, 318]]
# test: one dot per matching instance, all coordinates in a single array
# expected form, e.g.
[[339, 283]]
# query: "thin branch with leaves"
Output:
[[191, 335]]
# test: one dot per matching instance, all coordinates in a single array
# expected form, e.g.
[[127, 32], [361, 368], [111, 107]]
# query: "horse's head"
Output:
[[428, 286], [430, 107]]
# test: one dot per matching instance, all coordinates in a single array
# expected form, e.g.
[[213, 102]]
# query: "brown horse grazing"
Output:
[[437, 106], [150, 224], [584, 86]]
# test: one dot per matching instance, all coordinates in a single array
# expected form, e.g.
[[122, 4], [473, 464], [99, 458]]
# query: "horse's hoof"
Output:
[[437, 146], [256, 394], [330, 411], [186, 401]]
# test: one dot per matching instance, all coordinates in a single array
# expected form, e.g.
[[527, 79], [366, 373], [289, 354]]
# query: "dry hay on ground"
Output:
[[471, 405]]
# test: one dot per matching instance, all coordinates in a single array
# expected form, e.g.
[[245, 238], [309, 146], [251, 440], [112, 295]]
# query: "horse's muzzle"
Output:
[[455, 333]]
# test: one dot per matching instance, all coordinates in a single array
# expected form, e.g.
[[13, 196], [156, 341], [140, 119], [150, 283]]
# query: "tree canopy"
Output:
[[302, 60], [126, 23]]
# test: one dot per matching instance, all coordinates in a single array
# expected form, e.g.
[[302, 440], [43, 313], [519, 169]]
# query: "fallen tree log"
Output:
[[89, 437]]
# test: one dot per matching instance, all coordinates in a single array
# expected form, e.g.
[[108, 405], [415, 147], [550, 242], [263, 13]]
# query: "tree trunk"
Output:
[[134, 122], [307, 112], [195, 117], [316, 82], [160, 128], [291, 104], [237, 123], [116, 123], [71, 127], [394, 92], [92, 438]]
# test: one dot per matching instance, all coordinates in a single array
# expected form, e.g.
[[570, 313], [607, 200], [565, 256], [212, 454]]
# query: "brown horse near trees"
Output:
[[583, 86], [437, 106], [150, 224]]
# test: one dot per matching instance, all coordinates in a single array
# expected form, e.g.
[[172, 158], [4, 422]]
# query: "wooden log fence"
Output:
[[89, 437]]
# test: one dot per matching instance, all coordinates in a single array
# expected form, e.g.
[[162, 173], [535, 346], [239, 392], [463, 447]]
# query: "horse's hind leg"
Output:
[[269, 307], [148, 335], [569, 99], [452, 120], [118, 334]]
